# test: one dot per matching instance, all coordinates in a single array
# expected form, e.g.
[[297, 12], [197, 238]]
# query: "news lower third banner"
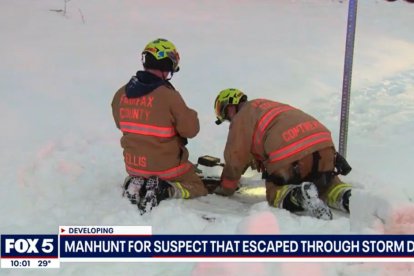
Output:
[[138, 244]]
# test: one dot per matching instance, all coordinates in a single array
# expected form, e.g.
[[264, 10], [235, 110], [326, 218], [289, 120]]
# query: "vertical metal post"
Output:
[[346, 85]]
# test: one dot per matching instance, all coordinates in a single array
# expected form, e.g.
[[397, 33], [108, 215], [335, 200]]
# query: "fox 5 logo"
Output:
[[28, 245]]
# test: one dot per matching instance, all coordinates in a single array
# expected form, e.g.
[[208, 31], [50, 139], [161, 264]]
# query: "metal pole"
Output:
[[346, 85]]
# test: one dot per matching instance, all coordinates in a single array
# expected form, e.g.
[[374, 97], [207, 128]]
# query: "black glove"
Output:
[[211, 183]]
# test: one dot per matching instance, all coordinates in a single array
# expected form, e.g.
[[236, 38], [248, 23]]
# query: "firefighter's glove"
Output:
[[224, 191], [211, 183]]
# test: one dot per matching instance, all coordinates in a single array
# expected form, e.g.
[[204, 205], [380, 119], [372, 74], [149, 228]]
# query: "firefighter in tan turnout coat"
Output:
[[293, 150], [156, 123]]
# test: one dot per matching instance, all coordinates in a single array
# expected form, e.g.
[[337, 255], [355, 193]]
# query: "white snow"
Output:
[[61, 162]]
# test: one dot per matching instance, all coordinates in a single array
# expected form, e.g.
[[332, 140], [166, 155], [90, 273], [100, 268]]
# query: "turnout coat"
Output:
[[272, 133], [155, 123]]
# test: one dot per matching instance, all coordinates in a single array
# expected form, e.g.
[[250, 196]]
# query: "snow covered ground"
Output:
[[61, 162]]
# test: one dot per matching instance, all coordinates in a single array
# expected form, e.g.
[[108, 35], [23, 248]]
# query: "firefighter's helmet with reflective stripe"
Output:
[[161, 54], [226, 97]]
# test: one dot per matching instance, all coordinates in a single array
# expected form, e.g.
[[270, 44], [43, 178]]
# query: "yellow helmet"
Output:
[[226, 97], [162, 55]]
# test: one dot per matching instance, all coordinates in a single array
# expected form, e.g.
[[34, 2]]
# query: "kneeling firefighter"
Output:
[[292, 149], [156, 123]]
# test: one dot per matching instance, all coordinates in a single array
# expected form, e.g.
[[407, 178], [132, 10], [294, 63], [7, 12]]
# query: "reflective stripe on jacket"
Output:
[[166, 174], [147, 129]]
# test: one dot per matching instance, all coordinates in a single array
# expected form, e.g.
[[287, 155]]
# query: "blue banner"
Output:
[[236, 246]]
